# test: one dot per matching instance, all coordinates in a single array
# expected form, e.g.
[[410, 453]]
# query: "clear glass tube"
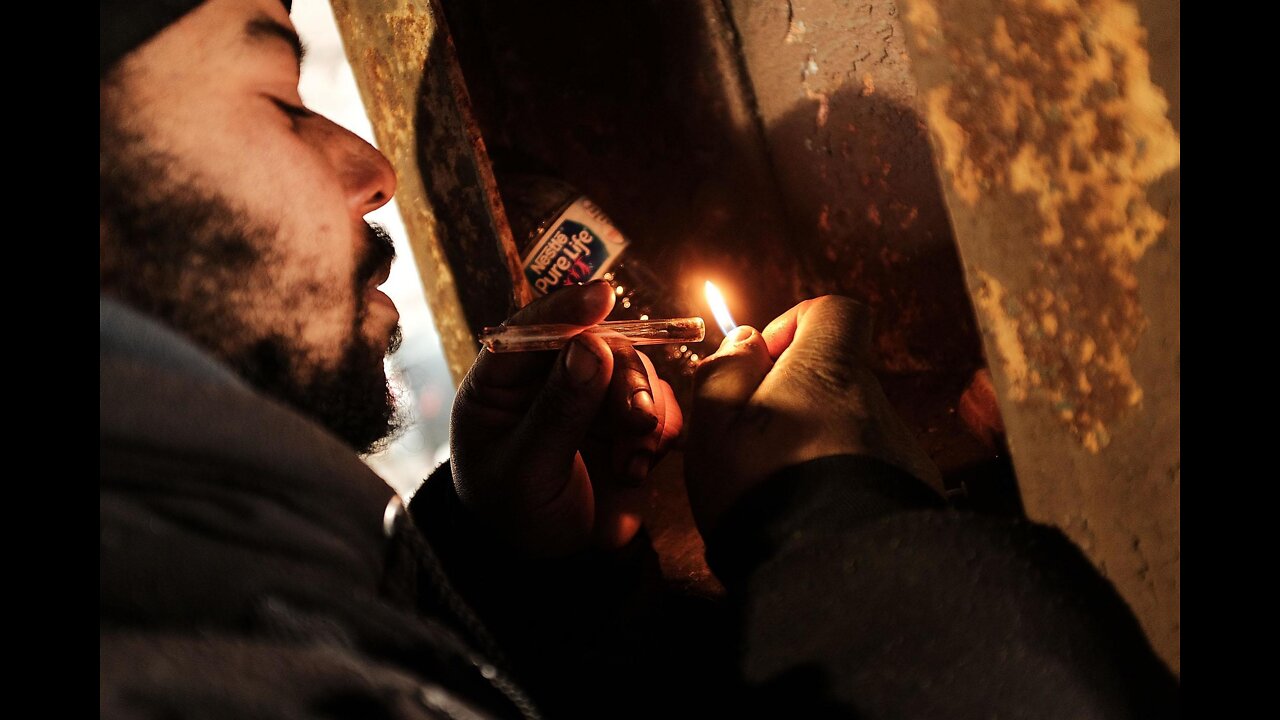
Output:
[[617, 333]]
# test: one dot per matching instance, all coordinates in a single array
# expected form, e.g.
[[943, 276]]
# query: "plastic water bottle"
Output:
[[566, 239]]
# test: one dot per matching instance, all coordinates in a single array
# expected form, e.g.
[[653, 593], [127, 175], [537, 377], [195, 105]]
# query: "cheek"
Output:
[[296, 190], [318, 306], [317, 247], [298, 184]]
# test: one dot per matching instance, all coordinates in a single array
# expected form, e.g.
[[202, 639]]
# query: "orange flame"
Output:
[[719, 309]]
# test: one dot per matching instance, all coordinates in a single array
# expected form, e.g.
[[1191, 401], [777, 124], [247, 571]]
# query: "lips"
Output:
[[380, 252], [384, 272], [378, 297]]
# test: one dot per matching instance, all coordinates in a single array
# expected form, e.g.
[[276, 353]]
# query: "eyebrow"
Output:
[[263, 27]]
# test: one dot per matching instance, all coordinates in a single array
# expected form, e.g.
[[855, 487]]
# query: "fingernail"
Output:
[[737, 335], [641, 401], [581, 363], [638, 468], [592, 295]]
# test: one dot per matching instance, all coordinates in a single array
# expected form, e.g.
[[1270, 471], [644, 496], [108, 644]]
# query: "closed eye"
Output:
[[293, 111]]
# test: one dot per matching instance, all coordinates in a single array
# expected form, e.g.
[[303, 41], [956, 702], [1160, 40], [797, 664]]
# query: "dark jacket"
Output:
[[252, 566]]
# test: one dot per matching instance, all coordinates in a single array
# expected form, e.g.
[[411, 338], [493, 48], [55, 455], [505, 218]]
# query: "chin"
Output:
[[389, 339]]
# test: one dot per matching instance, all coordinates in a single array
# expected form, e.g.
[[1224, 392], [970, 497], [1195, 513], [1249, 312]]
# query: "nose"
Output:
[[366, 174]]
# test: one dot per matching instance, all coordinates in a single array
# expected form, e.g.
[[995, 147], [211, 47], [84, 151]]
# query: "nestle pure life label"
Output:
[[581, 245]]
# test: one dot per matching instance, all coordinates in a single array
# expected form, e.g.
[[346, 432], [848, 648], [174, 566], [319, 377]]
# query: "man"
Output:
[[251, 565]]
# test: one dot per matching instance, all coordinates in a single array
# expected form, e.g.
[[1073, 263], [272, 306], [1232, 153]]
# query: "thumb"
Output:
[[726, 379], [724, 385], [547, 440]]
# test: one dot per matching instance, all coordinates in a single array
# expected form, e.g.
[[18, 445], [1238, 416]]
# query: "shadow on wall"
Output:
[[868, 219]]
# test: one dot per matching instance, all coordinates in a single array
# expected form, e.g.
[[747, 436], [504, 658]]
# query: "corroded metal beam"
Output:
[[1058, 153], [412, 88]]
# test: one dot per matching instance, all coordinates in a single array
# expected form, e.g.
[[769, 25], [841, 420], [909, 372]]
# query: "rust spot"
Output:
[[989, 299], [1054, 105], [824, 105], [979, 410], [923, 17]]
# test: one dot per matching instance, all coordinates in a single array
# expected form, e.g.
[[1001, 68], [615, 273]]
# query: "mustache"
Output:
[[379, 252]]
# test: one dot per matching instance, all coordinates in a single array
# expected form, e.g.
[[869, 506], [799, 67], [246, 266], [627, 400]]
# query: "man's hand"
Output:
[[799, 391], [547, 449]]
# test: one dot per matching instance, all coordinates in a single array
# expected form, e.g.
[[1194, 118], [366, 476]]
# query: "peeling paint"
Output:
[[989, 299], [923, 18], [795, 32], [809, 68], [1055, 106], [824, 105]]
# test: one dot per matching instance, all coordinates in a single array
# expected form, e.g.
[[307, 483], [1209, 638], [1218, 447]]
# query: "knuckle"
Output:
[[713, 365], [837, 304], [629, 369], [754, 344]]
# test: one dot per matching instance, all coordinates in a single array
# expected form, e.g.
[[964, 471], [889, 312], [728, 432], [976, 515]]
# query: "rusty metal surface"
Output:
[[408, 76], [1060, 166], [833, 85]]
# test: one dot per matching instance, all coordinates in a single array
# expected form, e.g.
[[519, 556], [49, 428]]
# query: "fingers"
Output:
[[583, 305], [779, 333], [840, 322], [724, 385], [637, 446], [574, 304], [549, 436], [824, 358], [726, 379], [671, 414], [618, 506], [828, 352], [631, 397]]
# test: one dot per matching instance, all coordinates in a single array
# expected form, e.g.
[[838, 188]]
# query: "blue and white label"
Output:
[[581, 245]]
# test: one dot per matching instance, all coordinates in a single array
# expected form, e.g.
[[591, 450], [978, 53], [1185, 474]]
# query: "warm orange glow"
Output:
[[719, 309]]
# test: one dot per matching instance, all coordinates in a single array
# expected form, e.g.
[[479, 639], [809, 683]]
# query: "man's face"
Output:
[[236, 216]]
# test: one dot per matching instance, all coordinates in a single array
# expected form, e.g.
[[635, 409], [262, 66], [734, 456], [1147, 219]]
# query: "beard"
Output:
[[186, 255]]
